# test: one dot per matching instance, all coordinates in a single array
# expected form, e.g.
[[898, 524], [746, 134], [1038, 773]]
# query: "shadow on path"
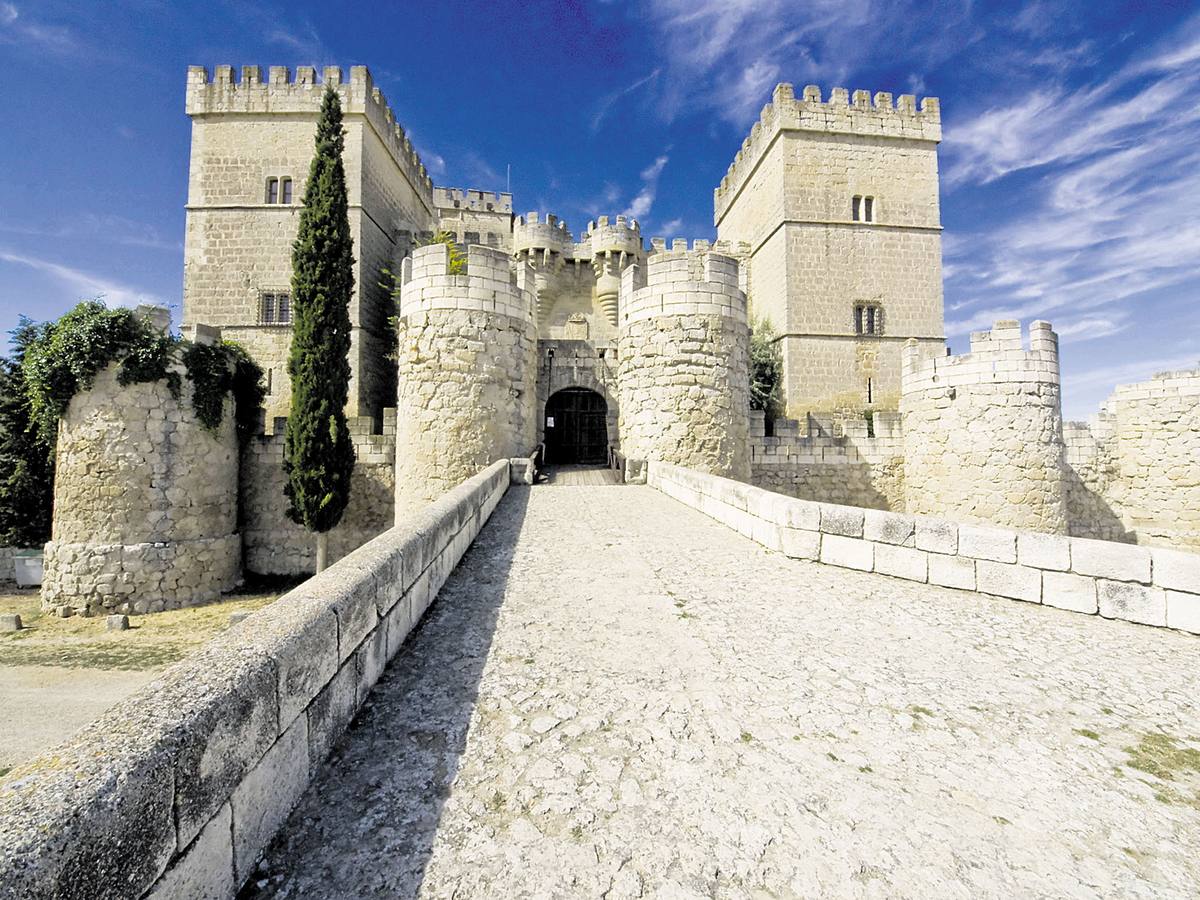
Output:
[[367, 824]]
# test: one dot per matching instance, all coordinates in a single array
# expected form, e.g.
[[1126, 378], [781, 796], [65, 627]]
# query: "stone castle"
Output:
[[603, 348]]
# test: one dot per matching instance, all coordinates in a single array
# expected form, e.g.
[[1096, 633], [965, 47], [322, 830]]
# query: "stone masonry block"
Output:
[[1108, 559], [996, 544], [95, 819], [889, 528], [766, 533], [802, 514], [902, 562], [399, 624], [1067, 591], [350, 592], [952, 571], [331, 711], [267, 795], [1132, 602], [1044, 551], [936, 535], [300, 634], [372, 660], [847, 552], [206, 867], [799, 544], [846, 521], [1005, 580], [1176, 570], [1183, 611]]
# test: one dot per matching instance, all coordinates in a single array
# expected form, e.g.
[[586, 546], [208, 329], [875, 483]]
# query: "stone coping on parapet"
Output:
[[857, 114], [1147, 585], [996, 356], [491, 283], [283, 94]]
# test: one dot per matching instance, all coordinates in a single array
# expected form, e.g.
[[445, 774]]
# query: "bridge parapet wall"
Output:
[[1148, 585], [176, 790]]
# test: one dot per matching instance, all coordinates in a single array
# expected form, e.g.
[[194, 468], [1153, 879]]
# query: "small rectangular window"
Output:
[[272, 190], [856, 208], [868, 209], [471, 237], [283, 307], [286, 185], [858, 320]]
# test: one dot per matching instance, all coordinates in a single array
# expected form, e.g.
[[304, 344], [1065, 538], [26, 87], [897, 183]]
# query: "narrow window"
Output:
[[266, 308], [270, 379], [870, 320], [272, 190], [869, 400], [286, 185], [868, 209], [856, 209], [471, 237], [283, 308], [858, 320], [491, 207]]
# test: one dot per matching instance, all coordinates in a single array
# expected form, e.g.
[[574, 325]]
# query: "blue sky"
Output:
[[1070, 160]]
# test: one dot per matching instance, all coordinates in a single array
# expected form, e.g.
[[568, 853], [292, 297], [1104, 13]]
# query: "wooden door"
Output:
[[576, 428]]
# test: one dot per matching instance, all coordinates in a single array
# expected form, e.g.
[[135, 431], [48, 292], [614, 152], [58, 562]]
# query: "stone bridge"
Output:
[[615, 695]]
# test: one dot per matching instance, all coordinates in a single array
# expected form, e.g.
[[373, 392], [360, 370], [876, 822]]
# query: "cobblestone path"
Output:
[[615, 696]]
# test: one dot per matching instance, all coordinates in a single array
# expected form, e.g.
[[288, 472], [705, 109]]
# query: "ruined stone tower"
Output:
[[684, 367], [983, 435], [467, 367], [838, 202]]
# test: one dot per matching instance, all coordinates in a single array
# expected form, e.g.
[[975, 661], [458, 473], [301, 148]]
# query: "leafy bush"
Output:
[[766, 369]]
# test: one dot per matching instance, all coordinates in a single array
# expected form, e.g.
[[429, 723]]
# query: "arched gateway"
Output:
[[576, 428]]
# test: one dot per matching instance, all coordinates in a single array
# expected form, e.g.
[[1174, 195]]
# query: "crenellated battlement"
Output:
[[474, 200], [533, 233], [299, 93], [683, 282], [490, 283], [996, 356], [859, 113]]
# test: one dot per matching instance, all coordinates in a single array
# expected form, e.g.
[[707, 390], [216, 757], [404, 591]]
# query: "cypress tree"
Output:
[[318, 454]]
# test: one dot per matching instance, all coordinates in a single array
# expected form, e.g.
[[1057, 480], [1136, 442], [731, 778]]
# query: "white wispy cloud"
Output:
[[604, 107], [726, 55], [111, 229], [1108, 224], [19, 30], [83, 284], [644, 201]]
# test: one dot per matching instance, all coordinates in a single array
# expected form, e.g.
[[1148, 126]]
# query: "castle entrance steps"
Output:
[[615, 695], [576, 476]]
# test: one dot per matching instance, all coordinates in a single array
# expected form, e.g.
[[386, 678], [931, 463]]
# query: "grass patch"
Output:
[[152, 641], [1087, 733], [1160, 755], [865, 769], [746, 737], [920, 711], [1000, 820], [4, 770]]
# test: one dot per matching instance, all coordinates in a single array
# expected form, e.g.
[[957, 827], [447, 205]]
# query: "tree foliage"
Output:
[[26, 458], [318, 453], [766, 369]]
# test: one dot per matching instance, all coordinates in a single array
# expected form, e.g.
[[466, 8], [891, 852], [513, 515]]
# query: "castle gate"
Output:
[[576, 429]]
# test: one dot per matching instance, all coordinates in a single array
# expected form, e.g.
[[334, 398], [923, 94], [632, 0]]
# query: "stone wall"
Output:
[[578, 364], [983, 438], [1134, 472], [683, 375], [842, 461], [176, 790], [275, 545], [1156, 586], [145, 502], [238, 246], [467, 362], [789, 195]]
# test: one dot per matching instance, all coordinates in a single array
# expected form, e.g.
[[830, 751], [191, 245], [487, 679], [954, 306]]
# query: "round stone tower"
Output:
[[467, 361], [684, 362], [615, 246], [545, 247], [145, 502], [983, 437]]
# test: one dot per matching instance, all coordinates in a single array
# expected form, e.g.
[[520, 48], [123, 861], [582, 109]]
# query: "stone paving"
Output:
[[615, 696]]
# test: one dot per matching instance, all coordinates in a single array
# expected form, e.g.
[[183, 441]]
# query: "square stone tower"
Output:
[[252, 142], [838, 203]]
